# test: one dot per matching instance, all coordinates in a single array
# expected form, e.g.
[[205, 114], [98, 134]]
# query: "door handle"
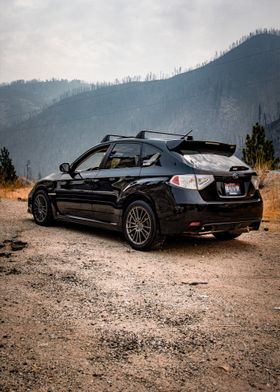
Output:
[[64, 184]]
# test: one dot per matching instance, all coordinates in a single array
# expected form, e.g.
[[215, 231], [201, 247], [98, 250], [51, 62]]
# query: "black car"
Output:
[[149, 188]]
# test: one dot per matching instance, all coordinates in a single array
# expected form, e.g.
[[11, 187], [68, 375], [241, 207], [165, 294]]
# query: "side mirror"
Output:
[[149, 162], [64, 168]]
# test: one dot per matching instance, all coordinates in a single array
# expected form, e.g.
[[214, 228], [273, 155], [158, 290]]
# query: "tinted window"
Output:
[[150, 154], [124, 155], [93, 161], [211, 161]]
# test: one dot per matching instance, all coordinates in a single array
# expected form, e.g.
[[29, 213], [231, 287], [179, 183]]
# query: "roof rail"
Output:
[[141, 134], [107, 138]]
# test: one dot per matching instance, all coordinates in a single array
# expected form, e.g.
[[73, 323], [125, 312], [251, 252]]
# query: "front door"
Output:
[[75, 192]]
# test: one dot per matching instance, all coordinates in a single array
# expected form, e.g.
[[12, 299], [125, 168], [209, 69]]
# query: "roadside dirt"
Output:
[[82, 311]]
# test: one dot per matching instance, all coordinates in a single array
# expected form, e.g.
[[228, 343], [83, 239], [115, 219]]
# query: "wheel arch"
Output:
[[39, 188], [135, 197], [42, 187]]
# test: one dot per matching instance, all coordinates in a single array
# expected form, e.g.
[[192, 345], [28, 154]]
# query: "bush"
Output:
[[7, 170], [259, 151]]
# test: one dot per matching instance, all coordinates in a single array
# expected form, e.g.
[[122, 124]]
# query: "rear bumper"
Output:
[[237, 227], [213, 217]]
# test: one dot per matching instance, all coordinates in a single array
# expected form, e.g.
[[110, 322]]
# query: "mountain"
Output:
[[21, 99], [273, 133], [219, 101]]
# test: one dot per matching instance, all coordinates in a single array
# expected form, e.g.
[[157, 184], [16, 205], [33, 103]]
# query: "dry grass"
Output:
[[262, 170], [15, 191], [271, 195]]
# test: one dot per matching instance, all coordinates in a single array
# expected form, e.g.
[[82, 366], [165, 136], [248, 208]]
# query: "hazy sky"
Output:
[[106, 39]]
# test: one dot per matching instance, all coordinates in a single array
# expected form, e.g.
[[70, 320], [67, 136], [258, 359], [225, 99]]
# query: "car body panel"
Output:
[[74, 194]]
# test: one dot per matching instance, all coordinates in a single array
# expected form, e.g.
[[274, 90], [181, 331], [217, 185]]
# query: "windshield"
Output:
[[213, 161]]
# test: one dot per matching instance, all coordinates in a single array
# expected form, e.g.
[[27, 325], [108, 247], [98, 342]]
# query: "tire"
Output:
[[140, 226], [226, 235], [42, 209]]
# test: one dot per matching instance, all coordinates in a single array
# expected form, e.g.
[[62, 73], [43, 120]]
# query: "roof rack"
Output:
[[141, 134], [107, 138]]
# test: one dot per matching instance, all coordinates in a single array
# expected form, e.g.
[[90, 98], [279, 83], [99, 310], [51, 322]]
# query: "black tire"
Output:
[[140, 226], [226, 235], [42, 209]]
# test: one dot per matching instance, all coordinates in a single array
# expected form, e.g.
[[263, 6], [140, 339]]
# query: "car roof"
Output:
[[141, 136], [184, 142]]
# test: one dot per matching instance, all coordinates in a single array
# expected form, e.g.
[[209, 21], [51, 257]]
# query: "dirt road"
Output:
[[82, 311]]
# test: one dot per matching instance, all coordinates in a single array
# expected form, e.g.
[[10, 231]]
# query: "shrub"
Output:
[[7, 170], [259, 151]]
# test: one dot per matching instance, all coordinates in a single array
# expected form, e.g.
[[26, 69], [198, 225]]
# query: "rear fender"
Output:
[[155, 191]]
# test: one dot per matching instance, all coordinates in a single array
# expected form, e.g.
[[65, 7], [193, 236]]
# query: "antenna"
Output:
[[187, 137]]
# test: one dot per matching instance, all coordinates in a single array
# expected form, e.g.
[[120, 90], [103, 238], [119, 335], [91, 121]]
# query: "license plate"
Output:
[[232, 189]]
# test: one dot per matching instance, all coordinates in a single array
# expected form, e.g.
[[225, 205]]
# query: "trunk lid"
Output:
[[232, 177]]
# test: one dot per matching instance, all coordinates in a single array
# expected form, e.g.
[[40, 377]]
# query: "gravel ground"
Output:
[[82, 311]]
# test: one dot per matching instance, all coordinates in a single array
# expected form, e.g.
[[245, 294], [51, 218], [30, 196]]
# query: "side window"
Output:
[[150, 155], [93, 161], [124, 155]]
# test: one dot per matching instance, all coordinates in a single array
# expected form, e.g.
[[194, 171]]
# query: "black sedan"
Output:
[[150, 188]]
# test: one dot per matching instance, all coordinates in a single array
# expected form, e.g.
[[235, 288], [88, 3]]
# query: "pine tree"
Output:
[[258, 150], [7, 170]]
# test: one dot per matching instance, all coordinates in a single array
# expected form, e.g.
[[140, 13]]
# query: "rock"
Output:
[[194, 283], [43, 345], [226, 368], [18, 245], [5, 254], [13, 271], [2, 245]]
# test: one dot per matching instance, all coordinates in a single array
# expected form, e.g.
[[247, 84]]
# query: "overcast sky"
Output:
[[96, 40]]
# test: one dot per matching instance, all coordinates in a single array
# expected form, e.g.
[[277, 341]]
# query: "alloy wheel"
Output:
[[138, 225], [40, 208]]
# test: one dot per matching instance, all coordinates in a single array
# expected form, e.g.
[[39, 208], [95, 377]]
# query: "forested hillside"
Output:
[[21, 100]]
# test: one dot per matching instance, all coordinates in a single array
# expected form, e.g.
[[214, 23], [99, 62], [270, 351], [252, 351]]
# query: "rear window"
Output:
[[212, 160]]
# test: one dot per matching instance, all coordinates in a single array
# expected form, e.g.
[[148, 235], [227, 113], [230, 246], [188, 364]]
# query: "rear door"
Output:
[[119, 171]]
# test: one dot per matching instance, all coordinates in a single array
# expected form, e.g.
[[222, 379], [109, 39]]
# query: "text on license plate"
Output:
[[232, 189]]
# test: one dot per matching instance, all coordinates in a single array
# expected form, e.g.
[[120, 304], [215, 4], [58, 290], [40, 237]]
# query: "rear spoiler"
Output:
[[201, 145]]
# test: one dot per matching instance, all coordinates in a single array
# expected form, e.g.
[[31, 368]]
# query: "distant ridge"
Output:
[[220, 100]]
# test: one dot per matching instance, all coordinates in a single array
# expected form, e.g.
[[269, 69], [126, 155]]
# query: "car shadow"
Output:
[[206, 242], [100, 233], [172, 243]]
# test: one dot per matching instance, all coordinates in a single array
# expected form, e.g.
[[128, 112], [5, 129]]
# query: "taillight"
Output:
[[203, 180], [255, 180], [192, 181]]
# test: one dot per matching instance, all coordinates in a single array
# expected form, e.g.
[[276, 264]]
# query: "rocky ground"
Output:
[[82, 311]]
